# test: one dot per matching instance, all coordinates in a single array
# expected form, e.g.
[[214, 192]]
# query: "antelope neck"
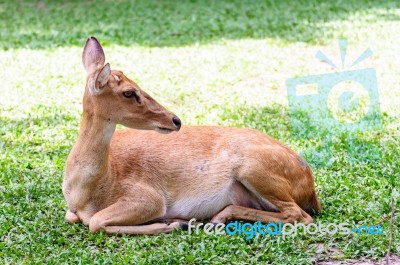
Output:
[[93, 142]]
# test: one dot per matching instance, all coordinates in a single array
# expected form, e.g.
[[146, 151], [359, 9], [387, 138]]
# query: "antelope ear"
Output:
[[96, 84], [93, 56]]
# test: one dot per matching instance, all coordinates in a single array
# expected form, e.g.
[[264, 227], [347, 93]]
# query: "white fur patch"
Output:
[[116, 78], [108, 131], [201, 207]]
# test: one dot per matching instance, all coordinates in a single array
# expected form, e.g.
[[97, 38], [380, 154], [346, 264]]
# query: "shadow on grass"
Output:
[[47, 24], [36, 144]]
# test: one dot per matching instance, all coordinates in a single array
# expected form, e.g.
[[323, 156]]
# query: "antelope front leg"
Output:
[[70, 217], [150, 229], [127, 215]]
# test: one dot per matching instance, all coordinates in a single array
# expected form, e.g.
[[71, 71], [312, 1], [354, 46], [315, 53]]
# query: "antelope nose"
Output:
[[177, 122]]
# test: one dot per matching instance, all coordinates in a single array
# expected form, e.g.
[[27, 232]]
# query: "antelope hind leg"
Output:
[[235, 212]]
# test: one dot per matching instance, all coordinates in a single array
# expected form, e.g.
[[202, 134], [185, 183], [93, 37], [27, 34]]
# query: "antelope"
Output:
[[155, 176]]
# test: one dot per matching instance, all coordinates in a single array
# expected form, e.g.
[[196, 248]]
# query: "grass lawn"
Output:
[[210, 62]]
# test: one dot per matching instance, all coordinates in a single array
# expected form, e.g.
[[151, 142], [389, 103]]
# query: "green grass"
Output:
[[210, 62]]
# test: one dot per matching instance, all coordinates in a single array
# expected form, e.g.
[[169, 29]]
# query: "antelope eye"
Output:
[[128, 94], [133, 94]]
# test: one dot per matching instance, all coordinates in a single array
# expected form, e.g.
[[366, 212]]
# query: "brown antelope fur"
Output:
[[145, 179]]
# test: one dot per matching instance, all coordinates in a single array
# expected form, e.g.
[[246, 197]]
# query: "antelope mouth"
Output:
[[164, 130]]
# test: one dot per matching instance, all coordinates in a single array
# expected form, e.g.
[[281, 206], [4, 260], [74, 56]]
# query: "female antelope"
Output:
[[144, 179]]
